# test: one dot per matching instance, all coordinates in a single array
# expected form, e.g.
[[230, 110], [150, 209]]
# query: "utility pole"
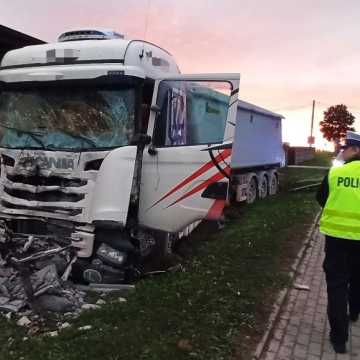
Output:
[[311, 139]]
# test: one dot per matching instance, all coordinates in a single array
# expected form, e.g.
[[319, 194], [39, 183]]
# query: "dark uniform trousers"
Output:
[[342, 270]]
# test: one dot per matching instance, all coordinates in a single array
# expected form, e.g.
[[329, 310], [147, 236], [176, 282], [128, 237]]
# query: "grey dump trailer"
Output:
[[257, 153]]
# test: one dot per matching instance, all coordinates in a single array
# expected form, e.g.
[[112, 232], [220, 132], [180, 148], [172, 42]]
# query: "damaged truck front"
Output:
[[54, 138], [94, 165]]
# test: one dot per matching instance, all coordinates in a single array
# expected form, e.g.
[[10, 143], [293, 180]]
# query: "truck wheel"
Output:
[[263, 188], [251, 191], [273, 185]]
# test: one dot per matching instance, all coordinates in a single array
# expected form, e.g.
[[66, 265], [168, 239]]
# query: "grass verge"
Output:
[[216, 309]]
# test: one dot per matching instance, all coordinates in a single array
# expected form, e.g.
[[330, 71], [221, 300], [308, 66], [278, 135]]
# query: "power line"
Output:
[[291, 107], [308, 105]]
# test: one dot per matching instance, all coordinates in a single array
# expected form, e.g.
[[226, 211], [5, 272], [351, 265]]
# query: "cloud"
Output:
[[287, 51]]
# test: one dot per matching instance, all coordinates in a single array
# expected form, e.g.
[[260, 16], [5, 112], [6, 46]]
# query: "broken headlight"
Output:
[[110, 255]]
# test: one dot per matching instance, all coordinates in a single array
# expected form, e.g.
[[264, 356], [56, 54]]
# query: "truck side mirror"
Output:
[[157, 110]]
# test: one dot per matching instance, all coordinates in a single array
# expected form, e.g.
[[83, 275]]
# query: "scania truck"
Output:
[[106, 147]]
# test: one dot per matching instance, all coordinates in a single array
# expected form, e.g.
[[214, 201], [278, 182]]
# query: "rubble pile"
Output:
[[34, 276]]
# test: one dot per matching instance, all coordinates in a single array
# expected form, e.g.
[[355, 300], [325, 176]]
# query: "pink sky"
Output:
[[288, 52]]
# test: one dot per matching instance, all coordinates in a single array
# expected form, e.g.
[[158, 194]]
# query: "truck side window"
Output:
[[192, 113]]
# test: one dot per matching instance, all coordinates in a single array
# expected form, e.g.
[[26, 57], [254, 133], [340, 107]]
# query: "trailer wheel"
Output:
[[252, 191], [273, 185], [264, 188]]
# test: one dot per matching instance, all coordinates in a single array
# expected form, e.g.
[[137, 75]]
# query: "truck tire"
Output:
[[263, 187], [252, 191], [273, 184]]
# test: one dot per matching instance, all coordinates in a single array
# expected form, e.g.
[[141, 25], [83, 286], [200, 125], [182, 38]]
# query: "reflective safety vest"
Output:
[[341, 214]]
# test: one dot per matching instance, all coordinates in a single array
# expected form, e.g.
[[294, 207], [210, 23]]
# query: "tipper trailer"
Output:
[[106, 148]]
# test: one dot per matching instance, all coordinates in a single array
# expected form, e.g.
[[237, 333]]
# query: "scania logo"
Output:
[[44, 162]]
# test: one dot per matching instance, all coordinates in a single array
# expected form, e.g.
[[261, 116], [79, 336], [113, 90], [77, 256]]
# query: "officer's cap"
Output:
[[352, 139]]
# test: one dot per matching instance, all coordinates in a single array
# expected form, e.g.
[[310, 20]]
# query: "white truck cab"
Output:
[[104, 145]]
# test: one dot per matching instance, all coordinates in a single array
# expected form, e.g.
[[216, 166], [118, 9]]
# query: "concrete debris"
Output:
[[34, 276], [301, 287], [28, 243], [12, 305], [89, 306], [40, 255], [34, 281], [67, 270], [52, 334], [3, 300], [101, 302], [58, 304], [65, 325], [47, 291], [24, 321], [85, 328]]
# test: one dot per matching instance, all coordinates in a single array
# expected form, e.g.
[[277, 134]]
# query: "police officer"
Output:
[[339, 195]]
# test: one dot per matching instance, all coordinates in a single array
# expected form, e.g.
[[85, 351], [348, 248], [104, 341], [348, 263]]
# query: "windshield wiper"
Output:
[[30, 133], [77, 136]]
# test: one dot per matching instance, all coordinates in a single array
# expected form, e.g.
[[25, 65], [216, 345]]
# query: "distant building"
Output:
[[11, 39]]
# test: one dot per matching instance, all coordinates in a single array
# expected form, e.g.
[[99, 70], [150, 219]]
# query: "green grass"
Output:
[[322, 158], [216, 309], [296, 177]]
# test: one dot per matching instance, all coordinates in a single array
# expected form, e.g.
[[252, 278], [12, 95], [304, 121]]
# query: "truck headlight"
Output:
[[110, 255]]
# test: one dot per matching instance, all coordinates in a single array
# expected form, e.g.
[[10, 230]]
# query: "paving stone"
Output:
[[274, 345], [343, 357], [327, 348], [315, 348], [307, 319], [300, 351], [284, 352], [355, 331], [303, 339], [328, 356], [270, 356], [295, 321], [292, 330], [288, 340], [313, 357], [305, 328], [278, 334]]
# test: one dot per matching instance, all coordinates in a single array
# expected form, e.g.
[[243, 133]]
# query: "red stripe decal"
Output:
[[216, 210], [222, 156], [218, 176]]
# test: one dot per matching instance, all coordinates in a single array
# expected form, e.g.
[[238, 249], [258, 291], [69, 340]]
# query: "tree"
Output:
[[337, 120]]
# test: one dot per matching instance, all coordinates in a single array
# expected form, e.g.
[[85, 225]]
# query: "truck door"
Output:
[[181, 181]]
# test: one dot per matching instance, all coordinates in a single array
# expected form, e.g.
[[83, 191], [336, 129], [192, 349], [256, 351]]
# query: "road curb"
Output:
[[282, 296]]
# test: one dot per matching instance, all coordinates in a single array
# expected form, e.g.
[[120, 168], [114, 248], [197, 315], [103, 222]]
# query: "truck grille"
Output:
[[34, 183], [45, 196], [54, 194], [46, 181], [52, 209]]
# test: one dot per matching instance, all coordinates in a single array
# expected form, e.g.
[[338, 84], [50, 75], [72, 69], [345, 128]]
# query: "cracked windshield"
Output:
[[67, 118]]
